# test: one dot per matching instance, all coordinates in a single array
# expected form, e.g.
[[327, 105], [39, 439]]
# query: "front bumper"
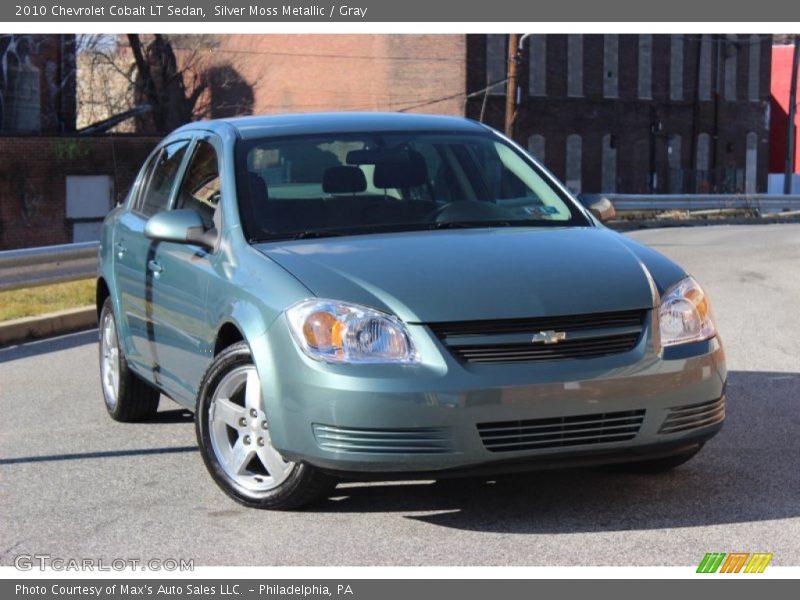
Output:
[[432, 418]]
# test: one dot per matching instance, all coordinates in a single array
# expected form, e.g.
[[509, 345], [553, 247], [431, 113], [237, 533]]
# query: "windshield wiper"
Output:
[[479, 224], [392, 228], [310, 234], [295, 235]]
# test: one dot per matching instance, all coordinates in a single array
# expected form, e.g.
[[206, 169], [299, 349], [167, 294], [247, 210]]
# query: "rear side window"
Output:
[[160, 178], [200, 189]]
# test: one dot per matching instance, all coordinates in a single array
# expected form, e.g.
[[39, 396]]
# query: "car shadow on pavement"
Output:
[[56, 344], [98, 454], [746, 473], [173, 415]]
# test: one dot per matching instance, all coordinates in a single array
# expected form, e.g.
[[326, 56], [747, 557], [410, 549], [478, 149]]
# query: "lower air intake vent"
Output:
[[428, 440], [579, 430], [683, 418]]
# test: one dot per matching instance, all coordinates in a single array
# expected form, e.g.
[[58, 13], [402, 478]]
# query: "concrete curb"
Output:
[[52, 324]]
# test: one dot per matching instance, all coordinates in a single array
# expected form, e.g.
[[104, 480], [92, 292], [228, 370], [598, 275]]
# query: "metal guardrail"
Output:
[[30, 267], [664, 202]]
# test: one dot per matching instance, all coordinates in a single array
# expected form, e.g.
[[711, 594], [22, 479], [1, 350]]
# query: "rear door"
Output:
[[133, 251]]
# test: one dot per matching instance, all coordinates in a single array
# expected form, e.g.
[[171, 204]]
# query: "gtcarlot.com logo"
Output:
[[28, 562], [735, 562]]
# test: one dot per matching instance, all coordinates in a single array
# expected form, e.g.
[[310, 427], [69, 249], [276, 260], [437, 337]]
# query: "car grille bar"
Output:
[[423, 440], [578, 430], [512, 340], [693, 416]]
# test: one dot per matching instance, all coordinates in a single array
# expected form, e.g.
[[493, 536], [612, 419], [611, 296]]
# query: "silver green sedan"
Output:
[[369, 296]]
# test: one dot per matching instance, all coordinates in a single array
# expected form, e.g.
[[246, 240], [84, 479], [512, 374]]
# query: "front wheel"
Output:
[[234, 438]]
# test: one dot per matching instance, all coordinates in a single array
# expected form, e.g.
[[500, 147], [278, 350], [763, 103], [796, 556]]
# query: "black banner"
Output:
[[472, 11], [393, 589]]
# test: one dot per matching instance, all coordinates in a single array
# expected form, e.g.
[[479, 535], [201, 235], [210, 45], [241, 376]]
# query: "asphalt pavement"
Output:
[[75, 484]]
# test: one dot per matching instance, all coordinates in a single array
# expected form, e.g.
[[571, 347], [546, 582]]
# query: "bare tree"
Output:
[[180, 77], [105, 80]]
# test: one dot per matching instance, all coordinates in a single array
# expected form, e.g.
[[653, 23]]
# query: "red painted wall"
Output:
[[781, 82]]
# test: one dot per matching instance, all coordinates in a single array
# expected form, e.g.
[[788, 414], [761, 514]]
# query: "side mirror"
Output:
[[603, 209], [183, 226]]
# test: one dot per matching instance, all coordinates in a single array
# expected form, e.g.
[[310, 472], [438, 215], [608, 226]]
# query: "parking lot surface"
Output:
[[75, 484]]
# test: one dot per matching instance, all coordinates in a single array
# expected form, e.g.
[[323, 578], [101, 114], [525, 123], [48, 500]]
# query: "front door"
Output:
[[182, 274]]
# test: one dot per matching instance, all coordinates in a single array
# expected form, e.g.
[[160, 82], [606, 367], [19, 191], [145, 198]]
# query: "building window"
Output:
[[608, 181], [704, 77], [575, 65], [676, 67], [646, 67], [611, 66], [496, 63], [730, 52], [754, 68], [674, 162], [751, 164], [702, 176], [573, 174], [537, 65], [536, 146]]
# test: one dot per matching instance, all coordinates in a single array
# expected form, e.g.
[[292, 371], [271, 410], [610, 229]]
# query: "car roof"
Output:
[[341, 122]]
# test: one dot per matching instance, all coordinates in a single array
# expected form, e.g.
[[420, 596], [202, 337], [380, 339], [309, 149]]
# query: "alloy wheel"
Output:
[[109, 360], [240, 436]]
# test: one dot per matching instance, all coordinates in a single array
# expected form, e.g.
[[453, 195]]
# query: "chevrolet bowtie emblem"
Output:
[[549, 337]]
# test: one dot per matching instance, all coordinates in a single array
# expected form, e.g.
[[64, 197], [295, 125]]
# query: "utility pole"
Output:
[[511, 86], [788, 167]]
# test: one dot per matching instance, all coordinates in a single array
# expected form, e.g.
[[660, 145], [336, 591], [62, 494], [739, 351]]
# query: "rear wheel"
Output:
[[127, 397], [234, 438], [657, 465]]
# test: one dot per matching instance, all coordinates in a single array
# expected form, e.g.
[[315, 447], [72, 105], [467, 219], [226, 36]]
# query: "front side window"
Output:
[[354, 184], [201, 188], [160, 178]]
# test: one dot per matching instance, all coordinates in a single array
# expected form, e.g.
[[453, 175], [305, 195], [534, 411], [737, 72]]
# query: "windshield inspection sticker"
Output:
[[541, 210]]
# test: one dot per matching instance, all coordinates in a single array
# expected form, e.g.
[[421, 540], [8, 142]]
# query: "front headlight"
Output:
[[339, 332], [685, 314]]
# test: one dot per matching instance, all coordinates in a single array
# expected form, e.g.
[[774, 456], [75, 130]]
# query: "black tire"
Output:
[[136, 399], [303, 485], [656, 465]]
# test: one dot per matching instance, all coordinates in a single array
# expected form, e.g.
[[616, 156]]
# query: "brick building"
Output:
[[55, 185], [315, 72], [37, 83], [636, 113], [43, 195]]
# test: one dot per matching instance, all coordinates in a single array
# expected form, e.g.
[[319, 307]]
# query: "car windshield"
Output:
[[401, 181]]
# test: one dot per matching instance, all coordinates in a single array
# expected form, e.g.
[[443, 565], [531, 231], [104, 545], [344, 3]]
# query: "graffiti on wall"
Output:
[[33, 81]]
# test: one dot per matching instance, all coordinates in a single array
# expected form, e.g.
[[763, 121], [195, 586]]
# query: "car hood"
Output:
[[474, 274]]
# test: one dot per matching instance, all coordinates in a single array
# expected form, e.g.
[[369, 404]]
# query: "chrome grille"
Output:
[[508, 341], [427, 440], [684, 418], [577, 430]]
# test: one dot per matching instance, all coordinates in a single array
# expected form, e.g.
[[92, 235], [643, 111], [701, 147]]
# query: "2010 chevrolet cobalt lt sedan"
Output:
[[384, 295]]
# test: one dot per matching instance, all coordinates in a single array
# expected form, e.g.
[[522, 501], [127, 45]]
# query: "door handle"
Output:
[[121, 249], [155, 267]]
